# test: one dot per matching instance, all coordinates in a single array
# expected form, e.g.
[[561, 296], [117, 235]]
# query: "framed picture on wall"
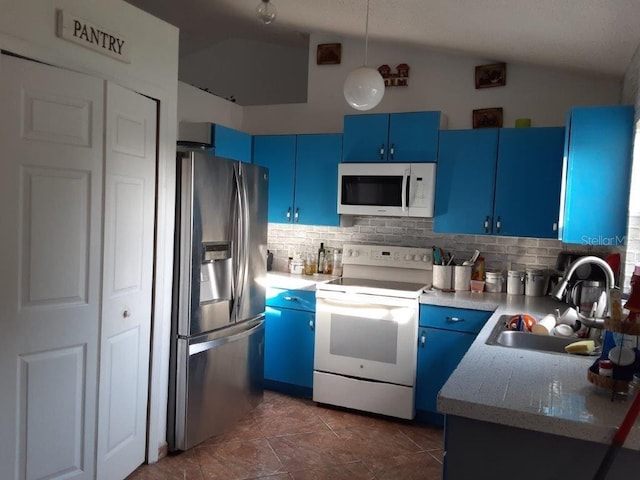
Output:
[[329, 54], [487, 118], [494, 75]]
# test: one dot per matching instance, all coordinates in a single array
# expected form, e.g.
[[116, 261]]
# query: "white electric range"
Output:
[[367, 328]]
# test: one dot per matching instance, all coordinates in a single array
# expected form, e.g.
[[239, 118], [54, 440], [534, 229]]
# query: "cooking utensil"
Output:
[[451, 260], [473, 258], [437, 256]]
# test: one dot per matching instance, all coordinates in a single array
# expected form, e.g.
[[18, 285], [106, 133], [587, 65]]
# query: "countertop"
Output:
[[545, 392], [290, 281]]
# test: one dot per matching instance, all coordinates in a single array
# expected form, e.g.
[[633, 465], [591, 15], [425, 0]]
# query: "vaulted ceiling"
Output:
[[598, 36]]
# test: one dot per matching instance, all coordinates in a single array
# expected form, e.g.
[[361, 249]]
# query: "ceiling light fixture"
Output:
[[266, 12], [364, 86]]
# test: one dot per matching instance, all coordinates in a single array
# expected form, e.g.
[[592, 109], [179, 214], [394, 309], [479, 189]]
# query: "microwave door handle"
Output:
[[405, 182]]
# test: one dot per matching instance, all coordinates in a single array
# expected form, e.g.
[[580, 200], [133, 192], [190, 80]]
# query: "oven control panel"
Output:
[[387, 256]]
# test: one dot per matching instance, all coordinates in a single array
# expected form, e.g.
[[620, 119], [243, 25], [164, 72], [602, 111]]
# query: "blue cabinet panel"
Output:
[[395, 137], [289, 340], [230, 143], [303, 176], [278, 154], [295, 299], [365, 138], [499, 181], [528, 182], [413, 137], [465, 181], [316, 181], [460, 319], [598, 175], [439, 352]]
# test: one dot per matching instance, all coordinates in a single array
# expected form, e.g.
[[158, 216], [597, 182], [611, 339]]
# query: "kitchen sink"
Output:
[[502, 336]]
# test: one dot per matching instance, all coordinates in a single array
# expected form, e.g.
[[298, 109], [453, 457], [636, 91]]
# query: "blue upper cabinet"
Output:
[[528, 182], [598, 171], [316, 182], [465, 181], [278, 154], [413, 137], [365, 138], [230, 143], [484, 180], [303, 176], [396, 137]]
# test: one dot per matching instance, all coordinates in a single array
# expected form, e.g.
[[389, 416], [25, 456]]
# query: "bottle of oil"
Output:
[[321, 255]]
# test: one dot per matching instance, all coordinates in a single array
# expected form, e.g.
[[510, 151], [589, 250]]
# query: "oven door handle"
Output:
[[356, 303]]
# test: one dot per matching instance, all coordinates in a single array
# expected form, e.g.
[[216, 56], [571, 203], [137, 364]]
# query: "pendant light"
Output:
[[266, 12], [364, 87]]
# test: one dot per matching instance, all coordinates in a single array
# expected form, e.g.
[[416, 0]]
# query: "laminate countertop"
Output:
[[291, 281], [539, 391]]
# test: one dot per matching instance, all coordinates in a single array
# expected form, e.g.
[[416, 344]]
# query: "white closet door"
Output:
[[130, 146], [51, 158]]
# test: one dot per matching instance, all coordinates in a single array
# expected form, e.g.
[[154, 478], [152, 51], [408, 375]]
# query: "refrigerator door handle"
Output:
[[245, 236], [201, 347], [237, 246]]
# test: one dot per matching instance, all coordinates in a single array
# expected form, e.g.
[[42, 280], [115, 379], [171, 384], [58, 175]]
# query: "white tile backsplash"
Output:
[[499, 252]]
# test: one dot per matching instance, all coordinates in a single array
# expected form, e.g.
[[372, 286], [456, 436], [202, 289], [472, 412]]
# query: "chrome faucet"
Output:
[[610, 283]]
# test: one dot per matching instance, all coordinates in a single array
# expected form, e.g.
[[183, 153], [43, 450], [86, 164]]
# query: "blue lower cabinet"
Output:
[[439, 352], [444, 336], [289, 348]]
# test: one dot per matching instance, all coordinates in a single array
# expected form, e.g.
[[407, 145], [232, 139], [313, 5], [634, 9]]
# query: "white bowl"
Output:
[[622, 356], [562, 330]]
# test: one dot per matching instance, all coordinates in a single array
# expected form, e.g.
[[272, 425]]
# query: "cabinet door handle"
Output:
[[423, 339], [392, 150], [289, 214], [454, 319], [486, 224], [555, 226], [382, 152], [290, 299], [498, 224], [296, 216], [311, 324]]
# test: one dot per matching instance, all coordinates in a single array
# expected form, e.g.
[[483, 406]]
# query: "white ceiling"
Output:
[[598, 36]]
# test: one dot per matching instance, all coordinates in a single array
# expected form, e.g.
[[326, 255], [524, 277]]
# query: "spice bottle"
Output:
[[478, 269], [328, 262]]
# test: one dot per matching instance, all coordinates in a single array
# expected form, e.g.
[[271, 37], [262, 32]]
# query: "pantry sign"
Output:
[[82, 32]]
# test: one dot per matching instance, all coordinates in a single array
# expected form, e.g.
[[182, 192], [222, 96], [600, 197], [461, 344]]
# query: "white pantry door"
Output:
[[51, 160], [130, 151]]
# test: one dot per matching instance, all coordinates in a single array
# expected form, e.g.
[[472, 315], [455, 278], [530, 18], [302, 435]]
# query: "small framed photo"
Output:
[[329, 54], [487, 118], [494, 75]]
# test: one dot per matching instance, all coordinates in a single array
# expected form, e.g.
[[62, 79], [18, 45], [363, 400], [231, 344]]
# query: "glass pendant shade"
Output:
[[364, 88], [266, 12]]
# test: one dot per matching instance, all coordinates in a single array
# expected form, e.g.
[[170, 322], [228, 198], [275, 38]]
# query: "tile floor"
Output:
[[289, 438]]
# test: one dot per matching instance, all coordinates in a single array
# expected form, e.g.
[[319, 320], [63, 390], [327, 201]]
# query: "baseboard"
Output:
[[163, 450]]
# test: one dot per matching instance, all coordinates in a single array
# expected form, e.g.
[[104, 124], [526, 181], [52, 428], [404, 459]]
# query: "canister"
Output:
[[535, 282], [462, 277], [493, 281], [443, 277], [515, 282]]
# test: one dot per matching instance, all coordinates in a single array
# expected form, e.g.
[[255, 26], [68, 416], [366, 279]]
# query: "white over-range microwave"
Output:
[[386, 189]]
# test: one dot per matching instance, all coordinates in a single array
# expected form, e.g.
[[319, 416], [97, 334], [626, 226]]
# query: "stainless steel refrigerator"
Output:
[[217, 351]]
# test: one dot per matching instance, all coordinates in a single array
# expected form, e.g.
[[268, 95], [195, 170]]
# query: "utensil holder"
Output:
[[443, 277]]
